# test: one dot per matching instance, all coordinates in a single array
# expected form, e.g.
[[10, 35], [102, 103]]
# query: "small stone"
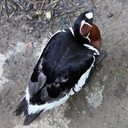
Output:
[[48, 15]]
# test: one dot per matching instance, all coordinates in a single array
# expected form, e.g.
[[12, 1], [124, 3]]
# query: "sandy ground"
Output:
[[101, 104]]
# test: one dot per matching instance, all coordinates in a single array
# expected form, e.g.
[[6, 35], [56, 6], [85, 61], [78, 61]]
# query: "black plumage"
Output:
[[67, 64]]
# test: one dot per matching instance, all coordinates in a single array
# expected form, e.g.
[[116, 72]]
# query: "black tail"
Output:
[[30, 118], [22, 108]]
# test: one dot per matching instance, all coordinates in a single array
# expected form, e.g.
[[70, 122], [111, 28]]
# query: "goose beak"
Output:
[[92, 10], [89, 14]]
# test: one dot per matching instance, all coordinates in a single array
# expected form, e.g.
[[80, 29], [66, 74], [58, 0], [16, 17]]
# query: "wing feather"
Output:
[[60, 66], [37, 80]]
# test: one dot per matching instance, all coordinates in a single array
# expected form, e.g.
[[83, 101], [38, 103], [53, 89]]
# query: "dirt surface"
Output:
[[103, 102]]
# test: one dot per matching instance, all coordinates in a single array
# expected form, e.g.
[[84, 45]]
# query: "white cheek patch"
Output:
[[89, 15], [82, 23]]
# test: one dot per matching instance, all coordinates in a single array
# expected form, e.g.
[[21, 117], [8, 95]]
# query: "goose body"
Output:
[[66, 65]]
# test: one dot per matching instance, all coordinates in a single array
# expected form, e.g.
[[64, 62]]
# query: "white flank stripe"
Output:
[[71, 31], [92, 48], [82, 79], [37, 108]]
